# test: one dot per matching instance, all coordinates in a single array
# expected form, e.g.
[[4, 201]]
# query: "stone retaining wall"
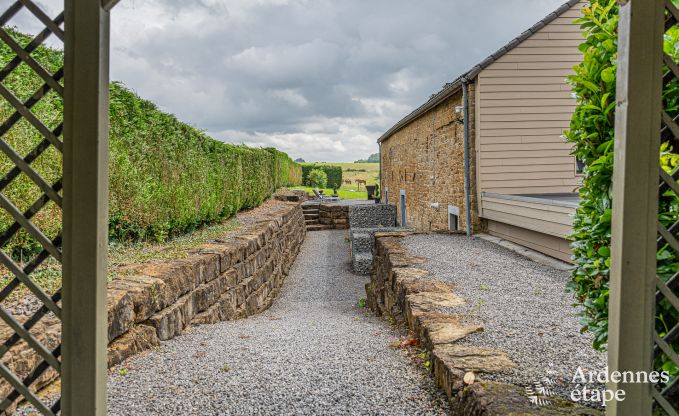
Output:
[[334, 216], [398, 290], [226, 279]]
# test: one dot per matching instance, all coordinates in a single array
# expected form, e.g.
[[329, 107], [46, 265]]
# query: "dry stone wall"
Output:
[[333, 216], [399, 290], [226, 279], [230, 278]]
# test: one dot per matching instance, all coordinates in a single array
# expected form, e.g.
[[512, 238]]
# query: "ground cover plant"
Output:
[[592, 133], [166, 177]]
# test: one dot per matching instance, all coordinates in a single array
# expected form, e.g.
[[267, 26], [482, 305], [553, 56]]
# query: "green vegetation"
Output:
[[317, 179], [373, 158], [333, 173], [342, 193], [166, 177], [120, 254], [368, 172], [592, 132]]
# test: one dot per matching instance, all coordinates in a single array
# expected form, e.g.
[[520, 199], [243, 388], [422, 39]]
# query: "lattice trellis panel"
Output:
[[29, 245], [667, 299]]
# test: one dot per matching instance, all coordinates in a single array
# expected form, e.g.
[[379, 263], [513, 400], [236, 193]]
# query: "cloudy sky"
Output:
[[319, 79]]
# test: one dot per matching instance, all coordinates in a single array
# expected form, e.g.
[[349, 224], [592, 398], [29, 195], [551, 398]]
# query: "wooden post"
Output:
[[84, 369], [635, 200]]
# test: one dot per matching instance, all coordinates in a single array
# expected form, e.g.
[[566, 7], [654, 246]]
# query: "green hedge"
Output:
[[592, 133], [288, 172], [166, 177], [334, 174]]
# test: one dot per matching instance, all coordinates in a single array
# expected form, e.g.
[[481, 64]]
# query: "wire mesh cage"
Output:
[[31, 113]]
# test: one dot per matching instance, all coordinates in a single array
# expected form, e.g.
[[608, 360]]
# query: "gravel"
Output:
[[315, 351], [25, 306], [523, 306]]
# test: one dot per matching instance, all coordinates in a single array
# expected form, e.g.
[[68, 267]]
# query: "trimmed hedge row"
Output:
[[288, 172], [334, 174], [166, 177]]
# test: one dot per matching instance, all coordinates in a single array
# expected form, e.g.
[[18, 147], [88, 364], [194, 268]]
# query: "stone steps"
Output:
[[312, 217]]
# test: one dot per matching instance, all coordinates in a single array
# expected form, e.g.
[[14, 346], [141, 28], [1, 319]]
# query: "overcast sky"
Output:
[[319, 79]]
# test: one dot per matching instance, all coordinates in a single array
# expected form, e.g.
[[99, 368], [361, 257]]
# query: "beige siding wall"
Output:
[[523, 107], [556, 247], [542, 217]]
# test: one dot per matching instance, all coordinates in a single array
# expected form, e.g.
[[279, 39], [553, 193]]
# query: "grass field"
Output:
[[352, 171]]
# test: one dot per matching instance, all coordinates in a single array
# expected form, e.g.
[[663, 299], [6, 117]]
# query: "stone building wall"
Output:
[[426, 159], [226, 279]]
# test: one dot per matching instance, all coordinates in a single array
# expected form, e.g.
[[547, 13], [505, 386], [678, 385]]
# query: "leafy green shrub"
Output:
[[166, 177], [334, 174], [318, 179], [592, 133]]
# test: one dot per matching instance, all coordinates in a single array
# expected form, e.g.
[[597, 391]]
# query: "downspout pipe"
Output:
[[379, 145], [467, 186]]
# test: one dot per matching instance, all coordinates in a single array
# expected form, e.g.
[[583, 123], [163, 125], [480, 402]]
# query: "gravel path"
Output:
[[523, 306], [314, 352]]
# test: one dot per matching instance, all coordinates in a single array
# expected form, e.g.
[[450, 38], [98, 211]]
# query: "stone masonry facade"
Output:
[[426, 160], [230, 278]]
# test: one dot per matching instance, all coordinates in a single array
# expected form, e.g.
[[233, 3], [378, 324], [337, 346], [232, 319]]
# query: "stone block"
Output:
[[208, 294], [172, 320], [139, 338], [21, 359], [209, 316], [148, 294], [120, 313], [179, 277]]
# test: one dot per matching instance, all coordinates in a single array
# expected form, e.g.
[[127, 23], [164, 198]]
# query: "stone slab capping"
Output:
[[225, 279], [399, 290]]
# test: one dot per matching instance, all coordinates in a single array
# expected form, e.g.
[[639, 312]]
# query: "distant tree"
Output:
[[318, 179], [373, 158], [300, 160]]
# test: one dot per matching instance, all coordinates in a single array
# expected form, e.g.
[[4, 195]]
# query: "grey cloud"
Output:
[[320, 79]]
